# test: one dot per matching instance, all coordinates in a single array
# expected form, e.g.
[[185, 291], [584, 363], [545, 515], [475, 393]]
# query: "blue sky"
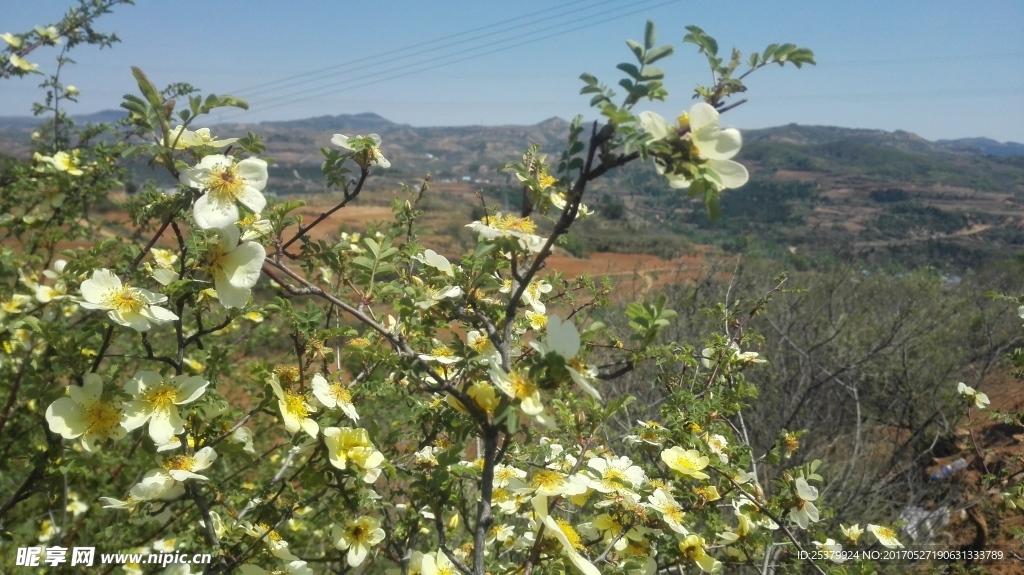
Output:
[[937, 68]]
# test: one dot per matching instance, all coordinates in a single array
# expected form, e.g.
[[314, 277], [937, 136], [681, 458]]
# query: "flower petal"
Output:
[[730, 174], [213, 214]]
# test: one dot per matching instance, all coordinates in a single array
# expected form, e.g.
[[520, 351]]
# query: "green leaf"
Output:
[[374, 247], [630, 69], [649, 35], [364, 262], [637, 49], [652, 73], [658, 53], [713, 204]]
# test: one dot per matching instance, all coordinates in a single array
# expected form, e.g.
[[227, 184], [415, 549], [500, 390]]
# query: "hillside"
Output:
[[817, 193]]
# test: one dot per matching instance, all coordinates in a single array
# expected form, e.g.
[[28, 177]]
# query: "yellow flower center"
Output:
[[612, 475], [537, 320], [340, 394], [692, 547], [295, 405], [673, 512], [125, 300], [102, 418], [546, 181], [359, 342], [287, 373], [357, 534], [180, 462], [649, 435], [504, 474], [224, 183], [442, 351], [687, 462], [522, 387], [791, 443], [574, 538], [546, 478], [271, 535], [480, 344], [885, 533], [161, 397], [515, 224]]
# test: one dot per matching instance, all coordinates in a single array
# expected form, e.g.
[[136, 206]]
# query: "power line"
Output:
[[389, 74], [317, 74]]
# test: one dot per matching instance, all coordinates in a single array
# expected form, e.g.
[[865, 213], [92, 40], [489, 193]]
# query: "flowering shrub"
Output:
[[201, 379]]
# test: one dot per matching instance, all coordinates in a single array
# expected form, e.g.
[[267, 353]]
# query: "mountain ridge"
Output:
[[555, 127]]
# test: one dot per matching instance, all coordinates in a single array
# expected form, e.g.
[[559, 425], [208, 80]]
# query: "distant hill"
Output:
[[985, 145], [900, 140], [815, 192], [365, 123]]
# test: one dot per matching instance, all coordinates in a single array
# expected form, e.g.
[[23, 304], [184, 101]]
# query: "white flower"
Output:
[[979, 398], [741, 531], [50, 34], [885, 536], [709, 143], [373, 153], [805, 512], [563, 339], [346, 445], [686, 461], [127, 305], [157, 484], [334, 395], [570, 540], [225, 183], [276, 544], [243, 436], [437, 563], [509, 226], [157, 400], [436, 261], [12, 40], [481, 344], [235, 267], [358, 537], [184, 467], [831, 550], [616, 474], [518, 385], [86, 415], [670, 510], [651, 433], [295, 410], [22, 64], [442, 354], [552, 483], [437, 295], [164, 261], [254, 227], [62, 162], [182, 138], [692, 547], [852, 532], [505, 473], [717, 444], [295, 567]]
